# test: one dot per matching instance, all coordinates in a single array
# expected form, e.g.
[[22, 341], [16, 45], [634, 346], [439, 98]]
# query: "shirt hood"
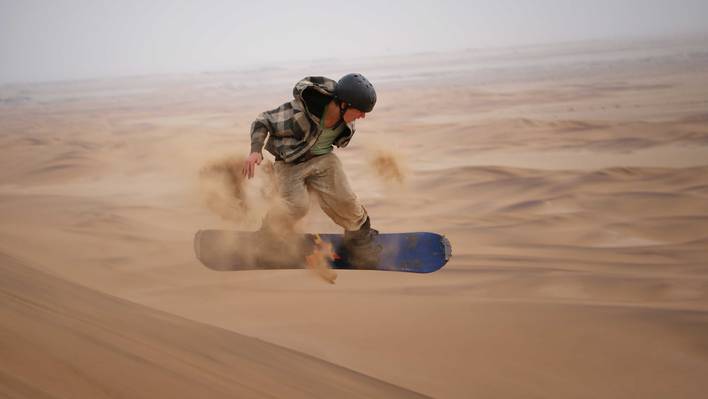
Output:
[[319, 83]]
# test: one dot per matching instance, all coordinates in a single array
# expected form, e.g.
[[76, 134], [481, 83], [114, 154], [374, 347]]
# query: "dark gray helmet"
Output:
[[355, 90]]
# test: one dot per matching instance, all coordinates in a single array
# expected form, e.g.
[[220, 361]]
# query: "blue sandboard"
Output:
[[224, 250]]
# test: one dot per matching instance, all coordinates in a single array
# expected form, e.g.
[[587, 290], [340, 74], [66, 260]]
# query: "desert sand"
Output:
[[571, 180]]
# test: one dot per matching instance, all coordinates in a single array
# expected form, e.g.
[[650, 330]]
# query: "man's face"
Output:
[[353, 114]]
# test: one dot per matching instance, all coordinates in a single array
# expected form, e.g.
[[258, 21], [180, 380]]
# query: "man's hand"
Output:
[[249, 167]]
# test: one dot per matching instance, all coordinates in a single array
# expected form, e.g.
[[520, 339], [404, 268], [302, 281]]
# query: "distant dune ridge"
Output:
[[572, 181]]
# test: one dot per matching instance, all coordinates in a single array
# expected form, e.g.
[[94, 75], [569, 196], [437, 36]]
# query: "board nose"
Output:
[[448, 248]]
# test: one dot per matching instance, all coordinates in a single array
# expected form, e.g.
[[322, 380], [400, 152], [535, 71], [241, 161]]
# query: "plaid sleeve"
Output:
[[259, 131]]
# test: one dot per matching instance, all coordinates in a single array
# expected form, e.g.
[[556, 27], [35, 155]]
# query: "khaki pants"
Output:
[[324, 176]]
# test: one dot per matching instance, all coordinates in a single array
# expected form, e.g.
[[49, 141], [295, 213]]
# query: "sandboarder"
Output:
[[301, 135]]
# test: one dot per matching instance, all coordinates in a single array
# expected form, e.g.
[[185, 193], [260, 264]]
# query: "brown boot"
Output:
[[362, 249]]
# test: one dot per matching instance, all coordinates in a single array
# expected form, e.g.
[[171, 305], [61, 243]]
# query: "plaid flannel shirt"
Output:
[[293, 128]]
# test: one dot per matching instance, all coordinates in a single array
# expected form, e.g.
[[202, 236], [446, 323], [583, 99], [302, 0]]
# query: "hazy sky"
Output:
[[71, 39]]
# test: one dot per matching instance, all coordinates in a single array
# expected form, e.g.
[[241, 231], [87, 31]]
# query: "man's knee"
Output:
[[297, 207], [298, 211]]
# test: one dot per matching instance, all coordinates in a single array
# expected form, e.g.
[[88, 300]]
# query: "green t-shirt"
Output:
[[324, 142]]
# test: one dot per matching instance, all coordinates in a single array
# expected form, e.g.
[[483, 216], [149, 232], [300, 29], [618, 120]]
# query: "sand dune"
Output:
[[61, 340], [572, 182]]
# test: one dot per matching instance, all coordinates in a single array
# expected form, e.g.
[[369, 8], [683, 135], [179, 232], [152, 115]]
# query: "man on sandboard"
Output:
[[301, 134]]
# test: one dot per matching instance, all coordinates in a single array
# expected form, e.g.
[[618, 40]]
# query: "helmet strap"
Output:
[[342, 110]]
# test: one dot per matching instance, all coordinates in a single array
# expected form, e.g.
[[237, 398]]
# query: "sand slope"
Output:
[[61, 340]]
